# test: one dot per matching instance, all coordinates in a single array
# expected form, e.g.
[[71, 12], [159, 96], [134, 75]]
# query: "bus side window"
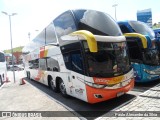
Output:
[[76, 62], [64, 24], [50, 34], [73, 61], [52, 64], [67, 60], [42, 64]]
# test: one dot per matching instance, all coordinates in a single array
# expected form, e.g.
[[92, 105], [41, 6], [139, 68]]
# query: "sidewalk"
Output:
[[146, 104], [15, 97]]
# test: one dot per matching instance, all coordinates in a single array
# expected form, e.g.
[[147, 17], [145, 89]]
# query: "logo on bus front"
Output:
[[108, 81]]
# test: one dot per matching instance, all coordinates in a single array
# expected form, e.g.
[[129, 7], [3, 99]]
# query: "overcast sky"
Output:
[[33, 15]]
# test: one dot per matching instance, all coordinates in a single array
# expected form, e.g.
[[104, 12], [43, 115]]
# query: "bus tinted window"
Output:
[[51, 63], [50, 34], [2, 57], [96, 22], [34, 64], [64, 24], [73, 61], [67, 61], [77, 65], [42, 64], [142, 28]]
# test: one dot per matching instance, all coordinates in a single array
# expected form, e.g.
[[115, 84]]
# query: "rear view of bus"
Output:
[[91, 59], [143, 50], [3, 69]]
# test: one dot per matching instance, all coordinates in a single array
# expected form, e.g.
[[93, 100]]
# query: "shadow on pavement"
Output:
[[145, 86], [81, 108]]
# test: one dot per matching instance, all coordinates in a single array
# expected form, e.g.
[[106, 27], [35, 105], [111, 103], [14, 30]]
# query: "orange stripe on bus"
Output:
[[42, 52], [108, 81], [106, 93]]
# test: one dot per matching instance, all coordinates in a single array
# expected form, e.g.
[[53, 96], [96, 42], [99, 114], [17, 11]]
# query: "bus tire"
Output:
[[52, 85], [29, 75], [62, 88], [1, 81]]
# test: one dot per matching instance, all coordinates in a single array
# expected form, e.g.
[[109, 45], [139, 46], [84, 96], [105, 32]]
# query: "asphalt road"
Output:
[[82, 108]]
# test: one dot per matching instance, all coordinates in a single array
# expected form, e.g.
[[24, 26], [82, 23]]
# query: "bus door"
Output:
[[41, 71], [74, 62], [33, 68]]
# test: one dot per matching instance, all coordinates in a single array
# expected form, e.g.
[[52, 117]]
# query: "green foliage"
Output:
[[155, 25], [17, 49]]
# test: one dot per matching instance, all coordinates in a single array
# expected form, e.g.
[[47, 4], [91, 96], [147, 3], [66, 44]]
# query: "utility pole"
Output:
[[115, 5], [9, 15]]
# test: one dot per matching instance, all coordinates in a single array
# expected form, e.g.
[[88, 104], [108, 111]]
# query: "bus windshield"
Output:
[[101, 24], [150, 56], [110, 60], [142, 28]]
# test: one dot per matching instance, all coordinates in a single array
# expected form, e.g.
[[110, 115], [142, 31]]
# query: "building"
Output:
[[17, 58], [9, 58], [145, 16]]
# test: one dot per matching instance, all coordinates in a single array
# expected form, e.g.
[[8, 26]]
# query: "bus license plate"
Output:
[[120, 93]]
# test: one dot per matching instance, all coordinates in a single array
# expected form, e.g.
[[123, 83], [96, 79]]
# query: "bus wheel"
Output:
[[1, 81], [28, 75], [62, 88], [52, 85]]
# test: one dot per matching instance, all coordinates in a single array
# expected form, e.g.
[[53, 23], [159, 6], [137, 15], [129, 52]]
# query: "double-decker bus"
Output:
[[144, 53], [81, 53], [157, 36], [3, 68]]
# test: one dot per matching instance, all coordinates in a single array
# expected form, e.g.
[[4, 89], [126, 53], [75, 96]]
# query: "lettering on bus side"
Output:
[[79, 91]]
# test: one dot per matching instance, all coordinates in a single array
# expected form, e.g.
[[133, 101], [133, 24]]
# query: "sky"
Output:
[[34, 15]]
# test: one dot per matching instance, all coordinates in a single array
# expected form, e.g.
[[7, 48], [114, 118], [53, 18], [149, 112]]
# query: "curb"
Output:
[[2, 85], [60, 103]]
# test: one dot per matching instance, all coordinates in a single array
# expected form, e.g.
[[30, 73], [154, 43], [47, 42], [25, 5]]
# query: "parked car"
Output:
[[16, 68]]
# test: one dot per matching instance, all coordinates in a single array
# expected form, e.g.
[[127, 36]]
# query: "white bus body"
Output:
[[3, 68]]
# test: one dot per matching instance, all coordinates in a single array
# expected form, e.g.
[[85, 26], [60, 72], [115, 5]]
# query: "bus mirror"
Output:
[[55, 69], [92, 43], [142, 37]]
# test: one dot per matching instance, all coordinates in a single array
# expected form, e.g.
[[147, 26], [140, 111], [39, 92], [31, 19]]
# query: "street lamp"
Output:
[[29, 35], [115, 5], [11, 39]]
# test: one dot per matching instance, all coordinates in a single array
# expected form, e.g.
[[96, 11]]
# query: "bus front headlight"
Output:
[[95, 85]]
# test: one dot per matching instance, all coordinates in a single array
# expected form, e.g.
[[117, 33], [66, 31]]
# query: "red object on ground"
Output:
[[22, 82], [7, 80]]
